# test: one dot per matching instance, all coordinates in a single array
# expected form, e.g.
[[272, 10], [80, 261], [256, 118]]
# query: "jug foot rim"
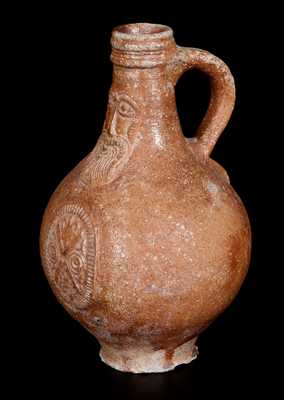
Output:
[[146, 360]]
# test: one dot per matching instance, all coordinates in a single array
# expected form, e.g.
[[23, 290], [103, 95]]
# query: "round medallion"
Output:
[[69, 255]]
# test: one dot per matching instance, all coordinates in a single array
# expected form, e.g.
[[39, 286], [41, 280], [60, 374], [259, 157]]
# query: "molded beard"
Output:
[[110, 155], [107, 160]]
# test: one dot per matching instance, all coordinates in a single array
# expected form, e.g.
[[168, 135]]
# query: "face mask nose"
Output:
[[109, 120], [112, 128]]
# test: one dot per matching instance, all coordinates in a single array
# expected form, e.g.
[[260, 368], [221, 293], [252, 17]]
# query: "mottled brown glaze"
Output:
[[145, 242]]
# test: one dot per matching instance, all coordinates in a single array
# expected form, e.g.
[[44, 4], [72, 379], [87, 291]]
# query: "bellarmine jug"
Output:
[[145, 242]]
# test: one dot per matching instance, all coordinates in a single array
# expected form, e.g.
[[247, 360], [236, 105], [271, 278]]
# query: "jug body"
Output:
[[145, 242]]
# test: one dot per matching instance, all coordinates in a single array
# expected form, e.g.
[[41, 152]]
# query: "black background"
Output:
[[63, 83]]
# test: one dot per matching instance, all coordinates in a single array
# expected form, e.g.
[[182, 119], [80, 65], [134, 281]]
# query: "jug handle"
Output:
[[222, 94]]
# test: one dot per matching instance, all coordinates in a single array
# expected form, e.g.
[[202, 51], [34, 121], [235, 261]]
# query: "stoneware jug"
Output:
[[145, 242]]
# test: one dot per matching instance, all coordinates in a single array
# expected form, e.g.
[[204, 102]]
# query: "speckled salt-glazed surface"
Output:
[[145, 242]]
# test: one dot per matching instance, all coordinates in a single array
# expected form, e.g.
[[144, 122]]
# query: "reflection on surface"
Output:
[[167, 385]]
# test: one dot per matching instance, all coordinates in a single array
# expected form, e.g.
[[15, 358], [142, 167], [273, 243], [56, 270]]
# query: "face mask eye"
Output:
[[126, 109]]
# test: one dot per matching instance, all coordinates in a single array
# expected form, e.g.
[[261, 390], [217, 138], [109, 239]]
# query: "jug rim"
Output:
[[142, 31], [142, 45]]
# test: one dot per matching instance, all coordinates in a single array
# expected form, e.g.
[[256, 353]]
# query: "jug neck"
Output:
[[147, 98], [142, 97]]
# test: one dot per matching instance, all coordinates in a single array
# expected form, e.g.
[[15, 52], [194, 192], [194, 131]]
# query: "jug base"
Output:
[[145, 360]]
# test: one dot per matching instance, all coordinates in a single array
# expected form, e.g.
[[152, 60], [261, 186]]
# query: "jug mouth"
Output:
[[142, 44], [142, 31]]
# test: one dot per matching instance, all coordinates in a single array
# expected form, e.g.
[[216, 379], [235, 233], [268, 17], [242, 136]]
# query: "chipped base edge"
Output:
[[143, 360]]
